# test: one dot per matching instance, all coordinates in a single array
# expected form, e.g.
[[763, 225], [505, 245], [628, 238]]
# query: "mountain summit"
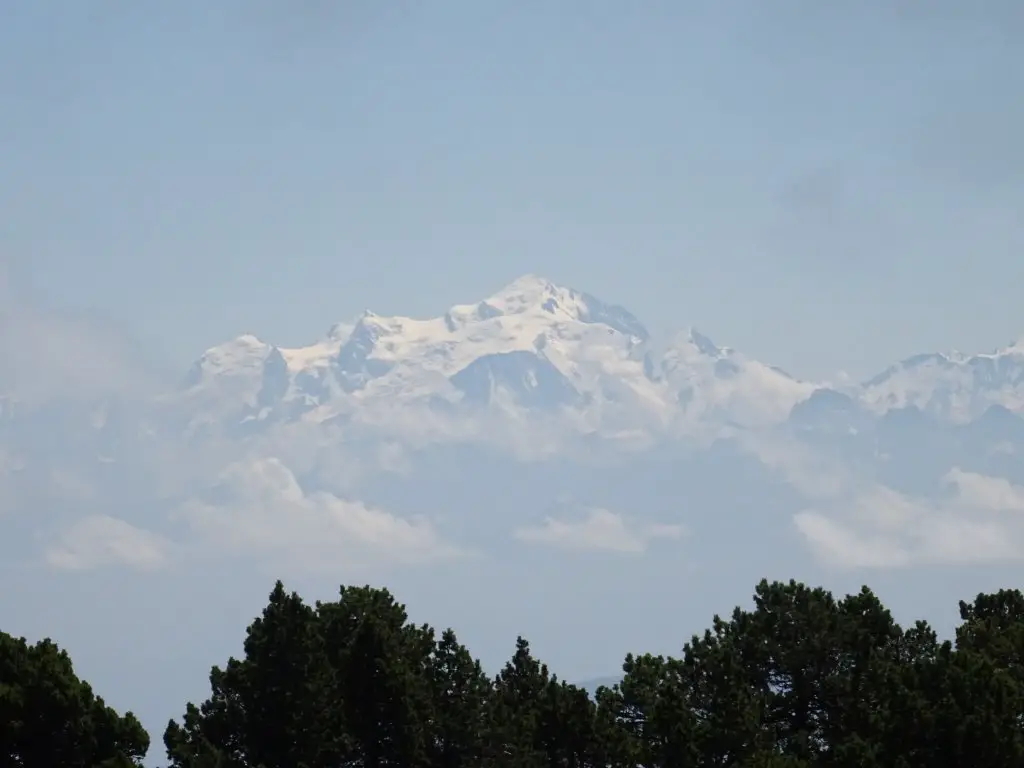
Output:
[[951, 386], [531, 348], [537, 353]]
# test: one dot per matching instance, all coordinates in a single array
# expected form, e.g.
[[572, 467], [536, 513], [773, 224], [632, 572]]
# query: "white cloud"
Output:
[[260, 508], [854, 522], [981, 520], [102, 541], [845, 546], [599, 530], [995, 494]]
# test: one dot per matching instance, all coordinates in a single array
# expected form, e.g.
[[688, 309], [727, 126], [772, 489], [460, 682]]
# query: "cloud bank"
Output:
[[100, 540], [258, 507], [979, 520]]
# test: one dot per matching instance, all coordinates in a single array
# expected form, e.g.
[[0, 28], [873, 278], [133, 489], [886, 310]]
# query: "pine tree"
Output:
[[268, 708], [460, 695], [49, 717]]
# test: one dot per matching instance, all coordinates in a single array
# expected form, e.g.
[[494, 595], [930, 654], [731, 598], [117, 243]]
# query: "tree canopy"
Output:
[[48, 717], [800, 679]]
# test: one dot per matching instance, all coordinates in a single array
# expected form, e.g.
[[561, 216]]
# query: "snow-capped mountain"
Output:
[[541, 361], [953, 386], [539, 409], [533, 349]]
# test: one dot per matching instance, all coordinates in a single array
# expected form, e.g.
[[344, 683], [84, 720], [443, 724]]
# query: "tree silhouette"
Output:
[[798, 680], [48, 717]]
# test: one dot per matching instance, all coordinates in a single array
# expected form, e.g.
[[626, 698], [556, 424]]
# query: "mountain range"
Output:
[[533, 378], [538, 450], [535, 372], [535, 351]]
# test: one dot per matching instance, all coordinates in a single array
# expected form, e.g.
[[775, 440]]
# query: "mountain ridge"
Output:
[[531, 345], [537, 412], [536, 346]]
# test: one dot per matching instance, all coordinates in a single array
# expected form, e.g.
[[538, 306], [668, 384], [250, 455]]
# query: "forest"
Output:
[[798, 679]]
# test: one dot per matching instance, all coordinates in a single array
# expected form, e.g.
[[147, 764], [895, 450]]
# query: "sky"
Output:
[[828, 187], [823, 186]]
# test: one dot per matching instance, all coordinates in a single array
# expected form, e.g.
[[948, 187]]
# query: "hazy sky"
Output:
[[825, 185], [822, 185]]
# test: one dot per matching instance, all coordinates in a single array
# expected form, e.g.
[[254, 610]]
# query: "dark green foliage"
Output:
[[48, 717], [460, 696], [269, 709], [800, 680]]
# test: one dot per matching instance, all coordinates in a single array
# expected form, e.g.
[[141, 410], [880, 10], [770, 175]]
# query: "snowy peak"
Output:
[[951, 386], [531, 348], [244, 351], [708, 379], [241, 356], [529, 295], [533, 294], [539, 297]]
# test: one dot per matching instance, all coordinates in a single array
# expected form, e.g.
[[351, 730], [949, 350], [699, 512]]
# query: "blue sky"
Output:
[[821, 185]]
